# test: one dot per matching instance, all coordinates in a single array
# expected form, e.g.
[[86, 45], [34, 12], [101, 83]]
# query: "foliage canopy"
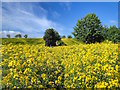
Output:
[[89, 29]]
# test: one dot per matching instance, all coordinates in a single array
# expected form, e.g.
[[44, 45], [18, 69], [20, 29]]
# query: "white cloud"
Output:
[[113, 21], [27, 18], [55, 14], [66, 5]]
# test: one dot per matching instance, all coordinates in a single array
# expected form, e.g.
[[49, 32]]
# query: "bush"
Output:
[[18, 36], [63, 36], [8, 35], [50, 37], [25, 36], [69, 36]]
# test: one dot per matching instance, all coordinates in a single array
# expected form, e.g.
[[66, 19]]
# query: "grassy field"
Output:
[[14, 41], [27, 63], [36, 41]]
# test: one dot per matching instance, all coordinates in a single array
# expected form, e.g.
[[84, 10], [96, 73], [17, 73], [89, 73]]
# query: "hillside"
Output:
[[71, 41], [22, 41], [67, 41]]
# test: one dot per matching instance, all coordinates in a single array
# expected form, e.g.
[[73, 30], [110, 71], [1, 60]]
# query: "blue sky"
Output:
[[34, 18]]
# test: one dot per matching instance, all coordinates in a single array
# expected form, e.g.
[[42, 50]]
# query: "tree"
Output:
[[25, 36], [69, 36], [105, 30], [63, 36], [8, 35], [88, 29], [57, 36], [50, 37], [113, 34], [18, 36]]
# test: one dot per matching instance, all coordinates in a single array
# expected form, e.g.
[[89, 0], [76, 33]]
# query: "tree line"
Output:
[[26, 36], [89, 30], [17, 36]]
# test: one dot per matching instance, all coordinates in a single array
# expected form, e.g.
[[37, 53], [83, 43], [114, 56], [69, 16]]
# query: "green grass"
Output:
[[22, 41], [71, 41], [35, 41], [67, 41]]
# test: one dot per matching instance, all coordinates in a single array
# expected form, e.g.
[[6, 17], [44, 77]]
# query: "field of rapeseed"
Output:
[[77, 66]]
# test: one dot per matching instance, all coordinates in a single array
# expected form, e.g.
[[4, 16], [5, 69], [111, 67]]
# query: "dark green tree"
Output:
[[89, 29], [8, 35], [25, 36], [105, 30], [57, 36], [63, 36], [69, 36], [50, 37], [18, 36], [113, 34]]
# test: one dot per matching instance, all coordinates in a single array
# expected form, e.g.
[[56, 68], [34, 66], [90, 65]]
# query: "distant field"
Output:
[[22, 41], [67, 41]]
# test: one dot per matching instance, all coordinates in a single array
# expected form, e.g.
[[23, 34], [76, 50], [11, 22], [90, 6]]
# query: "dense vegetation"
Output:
[[111, 34], [90, 30]]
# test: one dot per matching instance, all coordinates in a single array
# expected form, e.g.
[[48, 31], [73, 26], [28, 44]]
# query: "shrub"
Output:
[[25, 36], [18, 36], [63, 36], [69, 36], [8, 35]]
